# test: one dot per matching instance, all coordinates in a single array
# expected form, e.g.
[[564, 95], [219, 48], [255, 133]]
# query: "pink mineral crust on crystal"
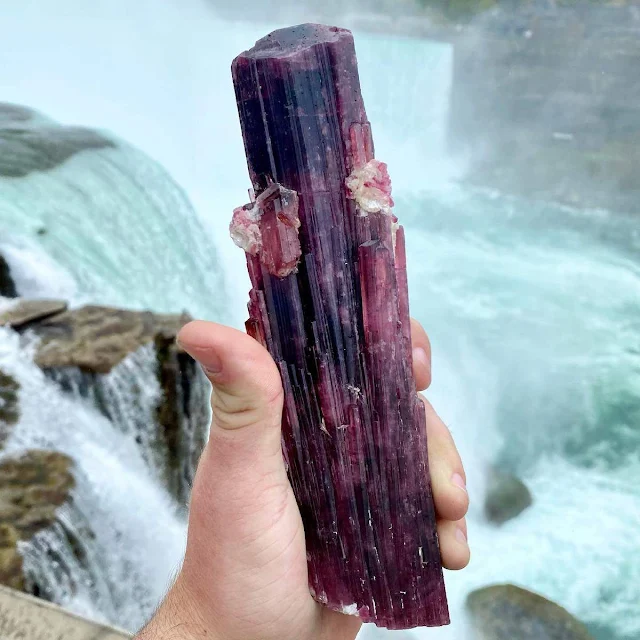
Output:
[[268, 228], [329, 300], [370, 187]]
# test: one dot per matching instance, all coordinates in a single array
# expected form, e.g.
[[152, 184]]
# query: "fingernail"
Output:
[[209, 360], [458, 480], [211, 363], [212, 369], [420, 355], [460, 536]]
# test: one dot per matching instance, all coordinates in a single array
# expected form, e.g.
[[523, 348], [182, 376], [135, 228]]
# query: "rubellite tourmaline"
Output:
[[326, 259]]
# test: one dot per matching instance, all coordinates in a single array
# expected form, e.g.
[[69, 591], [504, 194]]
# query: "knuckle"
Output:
[[236, 411]]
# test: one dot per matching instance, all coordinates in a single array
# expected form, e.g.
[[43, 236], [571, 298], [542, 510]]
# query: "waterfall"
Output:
[[132, 396], [137, 531]]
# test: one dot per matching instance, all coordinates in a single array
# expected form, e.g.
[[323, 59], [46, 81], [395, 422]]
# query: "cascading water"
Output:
[[532, 308], [117, 497]]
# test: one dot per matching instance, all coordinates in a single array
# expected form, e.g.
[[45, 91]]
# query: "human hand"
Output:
[[244, 575]]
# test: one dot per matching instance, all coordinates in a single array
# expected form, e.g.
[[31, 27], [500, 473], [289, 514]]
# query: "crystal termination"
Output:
[[327, 262]]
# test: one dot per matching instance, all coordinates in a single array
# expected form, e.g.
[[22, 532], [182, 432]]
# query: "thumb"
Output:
[[245, 547], [241, 479], [247, 392], [247, 395]]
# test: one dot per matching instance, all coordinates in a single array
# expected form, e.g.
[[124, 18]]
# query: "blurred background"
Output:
[[512, 133]]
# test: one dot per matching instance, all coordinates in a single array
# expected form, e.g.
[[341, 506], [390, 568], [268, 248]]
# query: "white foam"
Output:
[[34, 272], [139, 538]]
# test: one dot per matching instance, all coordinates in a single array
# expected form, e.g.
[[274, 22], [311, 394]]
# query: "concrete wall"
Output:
[[25, 618], [548, 103]]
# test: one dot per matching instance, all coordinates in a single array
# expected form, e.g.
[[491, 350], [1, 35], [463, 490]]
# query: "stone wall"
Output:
[[26, 618], [547, 103]]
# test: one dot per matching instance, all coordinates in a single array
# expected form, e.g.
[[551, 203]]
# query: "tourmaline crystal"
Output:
[[326, 259]]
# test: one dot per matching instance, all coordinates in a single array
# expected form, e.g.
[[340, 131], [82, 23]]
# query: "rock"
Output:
[[507, 612], [32, 488], [25, 618], [30, 142], [79, 348], [7, 285], [97, 339], [9, 411], [182, 415], [507, 497], [10, 559], [24, 312]]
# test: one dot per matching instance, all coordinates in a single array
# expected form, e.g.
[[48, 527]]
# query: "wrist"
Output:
[[177, 618], [180, 617]]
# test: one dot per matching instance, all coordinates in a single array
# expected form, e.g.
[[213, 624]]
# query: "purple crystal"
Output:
[[327, 262]]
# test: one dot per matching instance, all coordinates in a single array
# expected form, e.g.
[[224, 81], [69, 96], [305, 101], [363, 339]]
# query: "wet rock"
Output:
[[12, 115], [32, 488], [24, 312], [9, 410], [7, 285], [96, 339], [80, 348], [507, 612], [32, 143], [507, 497], [182, 415]]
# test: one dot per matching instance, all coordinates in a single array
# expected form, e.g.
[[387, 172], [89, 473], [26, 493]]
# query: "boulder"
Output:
[[23, 312], [507, 612], [507, 497], [32, 488], [7, 285], [9, 411]]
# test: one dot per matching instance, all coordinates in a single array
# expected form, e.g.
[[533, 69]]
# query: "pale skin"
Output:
[[244, 575]]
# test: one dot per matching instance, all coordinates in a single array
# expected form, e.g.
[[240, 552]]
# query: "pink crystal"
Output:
[[268, 228], [329, 300]]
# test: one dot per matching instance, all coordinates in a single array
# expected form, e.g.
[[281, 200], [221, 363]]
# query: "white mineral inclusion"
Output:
[[351, 610], [370, 187], [245, 231]]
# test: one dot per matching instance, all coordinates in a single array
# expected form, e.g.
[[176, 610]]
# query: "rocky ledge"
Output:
[[9, 411], [84, 350], [32, 488]]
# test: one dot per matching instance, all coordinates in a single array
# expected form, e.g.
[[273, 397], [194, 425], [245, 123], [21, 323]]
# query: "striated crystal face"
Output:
[[329, 300], [268, 228]]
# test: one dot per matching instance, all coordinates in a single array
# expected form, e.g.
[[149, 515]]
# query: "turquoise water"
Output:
[[533, 309]]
